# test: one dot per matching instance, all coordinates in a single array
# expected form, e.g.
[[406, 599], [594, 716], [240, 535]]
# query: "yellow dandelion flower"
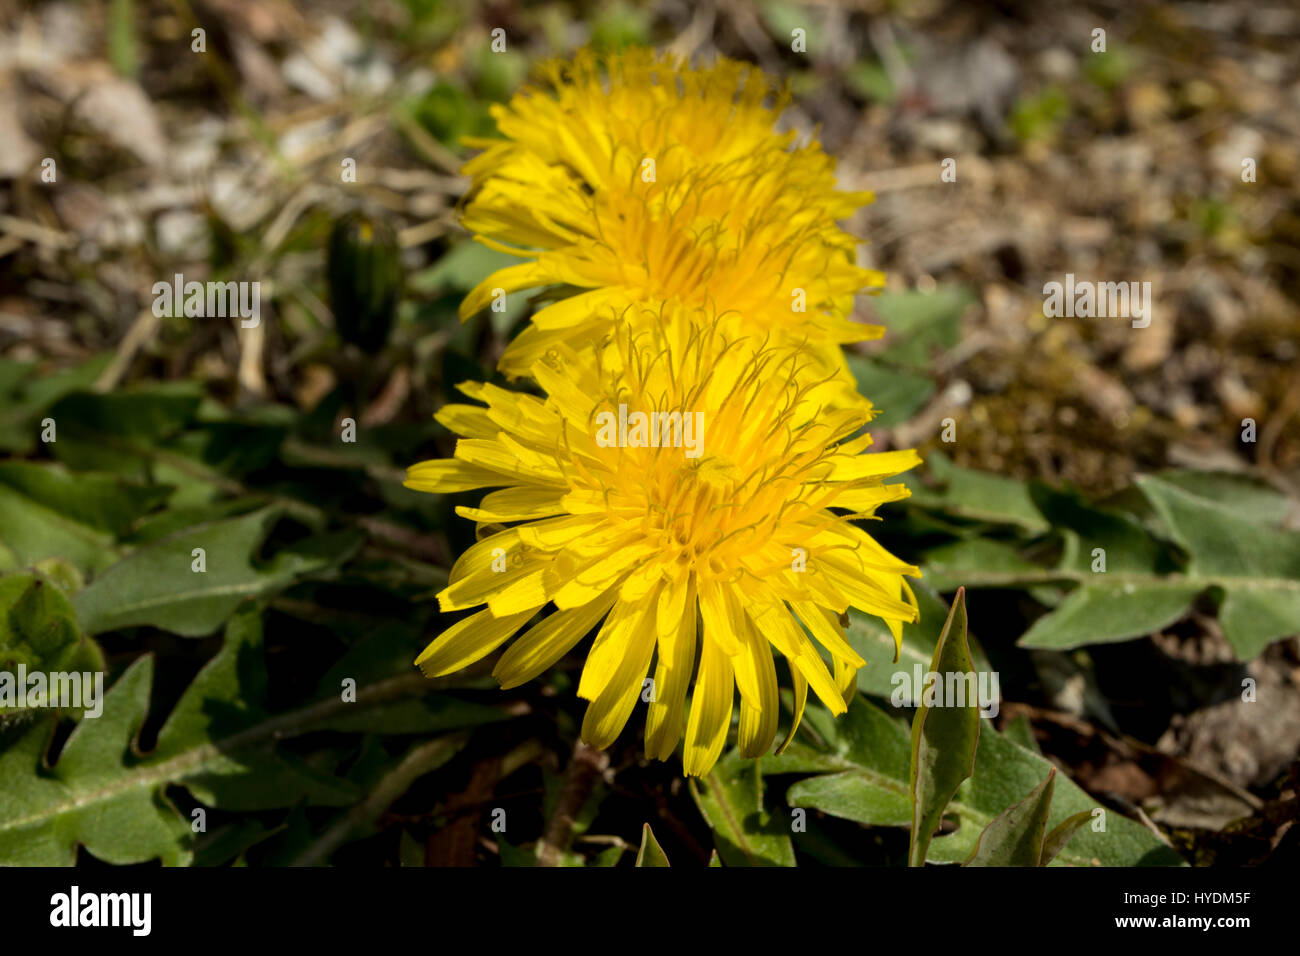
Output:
[[635, 179], [695, 494]]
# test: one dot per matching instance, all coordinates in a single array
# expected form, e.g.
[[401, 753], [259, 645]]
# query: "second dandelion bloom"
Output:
[[631, 178], [692, 499]]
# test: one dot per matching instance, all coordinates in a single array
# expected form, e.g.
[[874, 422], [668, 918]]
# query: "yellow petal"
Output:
[[710, 719], [470, 421], [599, 574], [609, 711], [520, 503], [883, 464], [527, 591], [576, 309], [497, 456], [723, 619], [775, 622], [565, 394], [800, 701], [760, 706], [446, 475], [607, 649], [467, 641], [676, 629], [866, 500], [846, 675], [826, 628], [486, 566], [542, 645], [528, 275], [865, 589], [554, 533]]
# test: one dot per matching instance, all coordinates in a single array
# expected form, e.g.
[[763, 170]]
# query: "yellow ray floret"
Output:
[[692, 498]]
